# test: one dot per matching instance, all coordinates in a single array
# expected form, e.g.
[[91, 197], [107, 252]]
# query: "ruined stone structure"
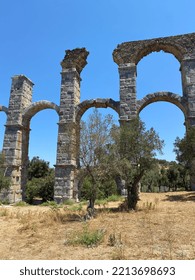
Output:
[[70, 110]]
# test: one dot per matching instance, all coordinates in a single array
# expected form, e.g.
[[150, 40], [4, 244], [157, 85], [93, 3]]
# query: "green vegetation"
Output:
[[4, 181], [112, 158], [40, 181], [21, 203], [166, 176], [87, 237], [109, 152]]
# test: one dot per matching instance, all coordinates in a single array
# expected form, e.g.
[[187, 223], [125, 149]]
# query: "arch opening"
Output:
[[168, 121], [43, 135], [36, 107], [158, 47], [93, 140], [158, 72], [96, 103]]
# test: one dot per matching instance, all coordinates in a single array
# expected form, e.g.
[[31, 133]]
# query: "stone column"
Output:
[[188, 84], [127, 73], [66, 162], [20, 98]]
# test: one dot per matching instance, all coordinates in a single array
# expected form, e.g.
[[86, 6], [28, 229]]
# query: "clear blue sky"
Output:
[[34, 35]]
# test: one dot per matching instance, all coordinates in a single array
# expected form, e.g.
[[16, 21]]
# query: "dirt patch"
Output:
[[162, 228]]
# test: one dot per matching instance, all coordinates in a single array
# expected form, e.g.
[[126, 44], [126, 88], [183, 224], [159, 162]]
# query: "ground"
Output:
[[163, 227]]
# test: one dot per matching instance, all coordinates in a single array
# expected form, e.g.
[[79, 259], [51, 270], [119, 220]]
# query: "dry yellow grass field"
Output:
[[163, 227]]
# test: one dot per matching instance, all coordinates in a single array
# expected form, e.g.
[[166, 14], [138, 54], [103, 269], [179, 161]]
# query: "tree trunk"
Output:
[[120, 185], [133, 192], [132, 196]]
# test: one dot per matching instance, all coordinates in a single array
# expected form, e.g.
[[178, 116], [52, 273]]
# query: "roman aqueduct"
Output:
[[70, 110]]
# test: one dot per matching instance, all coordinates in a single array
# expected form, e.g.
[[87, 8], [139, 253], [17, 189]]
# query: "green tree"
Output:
[[150, 180], [173, 176], [4, 181], [163, 179], [38, 168], [185, 154], [134, 150], [185, 148], [40, 180], [94, 139]]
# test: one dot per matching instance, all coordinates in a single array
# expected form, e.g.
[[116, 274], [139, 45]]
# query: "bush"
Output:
[[104, 189], [87, 237], [51, 204], [32, 190], [40, 188], [21, 203], [46, 190], [4, 182]]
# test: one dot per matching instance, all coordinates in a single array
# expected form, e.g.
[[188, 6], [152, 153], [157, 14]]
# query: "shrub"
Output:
[[21, 203], [40, 187], [87, 237]]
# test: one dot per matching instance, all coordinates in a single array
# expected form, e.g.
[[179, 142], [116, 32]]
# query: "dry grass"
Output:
[[162, 228]]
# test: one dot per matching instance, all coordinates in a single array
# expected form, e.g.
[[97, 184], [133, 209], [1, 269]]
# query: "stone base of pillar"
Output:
[[12, 195], [64, 183]]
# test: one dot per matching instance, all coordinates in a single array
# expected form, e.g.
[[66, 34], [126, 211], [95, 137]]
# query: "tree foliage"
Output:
[[134, 150], [185, 148], [166, 176], [109, 152], [4, 181], [38, 168], [95, 136], [40, 180]]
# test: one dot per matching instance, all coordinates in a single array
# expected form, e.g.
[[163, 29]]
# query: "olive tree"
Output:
[[94, 139], [134, 151]]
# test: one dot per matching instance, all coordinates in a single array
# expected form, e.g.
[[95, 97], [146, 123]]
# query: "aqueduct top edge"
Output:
[[181, 46]]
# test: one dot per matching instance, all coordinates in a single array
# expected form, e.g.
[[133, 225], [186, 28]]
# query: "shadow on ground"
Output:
[[190, 196]]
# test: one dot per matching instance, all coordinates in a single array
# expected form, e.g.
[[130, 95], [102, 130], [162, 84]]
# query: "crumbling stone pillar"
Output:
[[188, 83], [67, 148], [20, 98], [127, 74]]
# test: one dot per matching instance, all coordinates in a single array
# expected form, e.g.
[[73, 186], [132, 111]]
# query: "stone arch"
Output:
[[27, 115], [162, 96], [4, 109], [158, 72], [180, 46], [36, 107], [158, 46], [97, 103]]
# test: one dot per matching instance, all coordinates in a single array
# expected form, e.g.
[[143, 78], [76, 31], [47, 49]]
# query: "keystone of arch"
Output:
[[161, 96], [4, 109], [97, 103], [36, 107]]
